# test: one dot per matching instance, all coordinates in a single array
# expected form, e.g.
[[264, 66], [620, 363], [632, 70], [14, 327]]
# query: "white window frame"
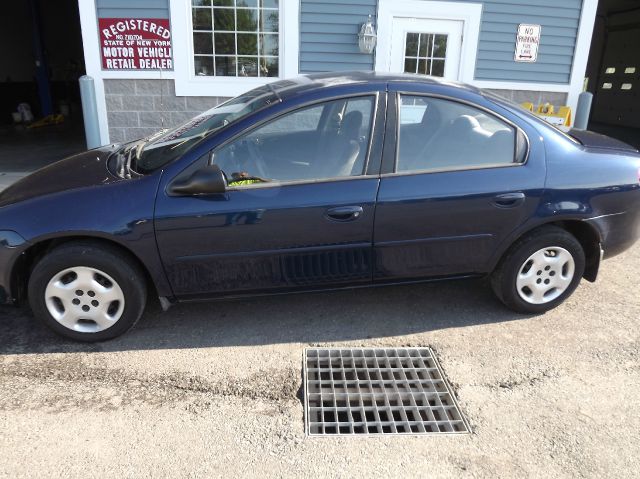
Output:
[[186, 81], [469, 13]]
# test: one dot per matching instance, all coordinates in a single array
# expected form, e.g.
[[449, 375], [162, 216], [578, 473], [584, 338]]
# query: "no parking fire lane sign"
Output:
[[527, 43]]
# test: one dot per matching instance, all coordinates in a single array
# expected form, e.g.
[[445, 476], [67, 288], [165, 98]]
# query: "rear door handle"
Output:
[[344, 213], [509, 200]]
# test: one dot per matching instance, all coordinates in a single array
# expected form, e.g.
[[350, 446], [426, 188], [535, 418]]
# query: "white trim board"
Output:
[[188, 84], [92, 60], [581, 52], [469, 13]]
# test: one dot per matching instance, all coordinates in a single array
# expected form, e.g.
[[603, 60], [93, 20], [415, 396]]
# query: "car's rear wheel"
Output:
[[87, 292], [539, 271]]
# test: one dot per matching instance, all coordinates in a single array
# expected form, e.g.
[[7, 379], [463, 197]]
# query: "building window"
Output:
[[425, 53], [236, 38]]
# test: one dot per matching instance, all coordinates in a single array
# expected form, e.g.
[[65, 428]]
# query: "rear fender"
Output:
[[588, 234]]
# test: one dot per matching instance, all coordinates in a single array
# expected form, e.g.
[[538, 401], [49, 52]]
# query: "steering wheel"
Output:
[[257, 158]]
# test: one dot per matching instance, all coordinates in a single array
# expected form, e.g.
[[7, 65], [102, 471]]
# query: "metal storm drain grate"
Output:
[[378, 391]]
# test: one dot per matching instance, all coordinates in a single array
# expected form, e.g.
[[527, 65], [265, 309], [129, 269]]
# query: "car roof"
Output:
[[317, 81]]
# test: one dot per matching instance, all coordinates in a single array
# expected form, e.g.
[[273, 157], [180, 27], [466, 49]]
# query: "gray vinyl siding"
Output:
[[328, 42], [500, 19], [329, 35], [132, 8]]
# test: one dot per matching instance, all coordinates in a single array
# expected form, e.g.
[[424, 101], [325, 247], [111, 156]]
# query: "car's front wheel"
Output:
[[87, 292], [539, 271]]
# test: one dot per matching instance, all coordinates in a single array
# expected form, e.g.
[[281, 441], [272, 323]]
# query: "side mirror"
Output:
[[207, 180]]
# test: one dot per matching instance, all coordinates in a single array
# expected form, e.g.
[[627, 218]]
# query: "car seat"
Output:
[[344, 149]]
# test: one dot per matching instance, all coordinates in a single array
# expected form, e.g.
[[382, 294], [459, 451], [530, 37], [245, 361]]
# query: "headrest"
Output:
[[465, 123], [351, 124]]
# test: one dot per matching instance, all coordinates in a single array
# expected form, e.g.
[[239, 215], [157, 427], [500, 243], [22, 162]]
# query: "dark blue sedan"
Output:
[[316, 183]]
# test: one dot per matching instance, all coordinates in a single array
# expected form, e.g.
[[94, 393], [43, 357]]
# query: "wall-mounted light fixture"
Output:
[[367, 37]]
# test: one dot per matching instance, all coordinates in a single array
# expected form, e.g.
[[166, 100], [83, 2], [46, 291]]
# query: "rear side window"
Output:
[[437, 134]]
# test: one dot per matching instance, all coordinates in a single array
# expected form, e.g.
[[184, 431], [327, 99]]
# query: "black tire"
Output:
[[110, 260], [504, 277]]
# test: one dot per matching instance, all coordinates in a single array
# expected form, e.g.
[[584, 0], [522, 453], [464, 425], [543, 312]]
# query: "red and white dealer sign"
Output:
[[135, 44]]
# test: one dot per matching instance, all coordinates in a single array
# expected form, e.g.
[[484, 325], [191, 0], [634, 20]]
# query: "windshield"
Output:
[[165, 146]]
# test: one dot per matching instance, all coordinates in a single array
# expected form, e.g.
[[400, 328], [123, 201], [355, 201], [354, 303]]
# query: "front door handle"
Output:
[[509, 200], [344, 213]]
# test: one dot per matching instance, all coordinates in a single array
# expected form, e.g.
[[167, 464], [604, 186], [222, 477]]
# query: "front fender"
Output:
[[121, 213]]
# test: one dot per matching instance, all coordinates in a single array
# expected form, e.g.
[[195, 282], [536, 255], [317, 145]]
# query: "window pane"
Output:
[[424, 66], [269, 45], [224, 19], [247, 3], [440, 134], [201, 3], [203, 66], [410, 65], [247, 44], [248, 66], [247, 20], [223, 3], [269, 3], [268, 67], [411, 49], [226, 66], [269, 20], [437, 68], [202, 43], [440, 47], [225, 43], [426, 43], [299, 146], [202, 19]]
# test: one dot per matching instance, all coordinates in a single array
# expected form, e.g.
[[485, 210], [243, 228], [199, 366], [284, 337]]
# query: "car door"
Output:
[[457, 180], [298, 210]]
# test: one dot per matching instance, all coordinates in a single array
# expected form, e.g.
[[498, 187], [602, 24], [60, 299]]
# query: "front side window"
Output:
[[326, 140], [437, 134], [237, 38]]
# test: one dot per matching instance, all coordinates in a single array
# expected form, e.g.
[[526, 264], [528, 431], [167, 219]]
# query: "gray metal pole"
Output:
[[583, 110], [90, 111]]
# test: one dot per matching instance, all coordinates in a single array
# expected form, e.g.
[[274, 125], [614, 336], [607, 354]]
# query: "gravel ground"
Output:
[[215, 389]]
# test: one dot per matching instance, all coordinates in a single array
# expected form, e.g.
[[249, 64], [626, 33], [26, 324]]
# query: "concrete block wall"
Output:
[[535, 97], [138, 108]]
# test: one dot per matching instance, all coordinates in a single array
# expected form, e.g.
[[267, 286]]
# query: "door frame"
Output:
[[438, 27], [469, 13]]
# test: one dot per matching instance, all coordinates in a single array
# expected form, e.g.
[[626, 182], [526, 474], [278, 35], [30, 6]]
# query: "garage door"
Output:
[[617, 100]]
